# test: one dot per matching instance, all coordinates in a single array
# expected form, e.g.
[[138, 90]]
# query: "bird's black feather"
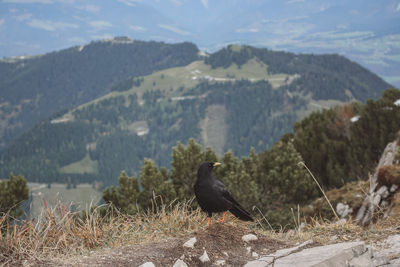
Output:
[[212, 195]]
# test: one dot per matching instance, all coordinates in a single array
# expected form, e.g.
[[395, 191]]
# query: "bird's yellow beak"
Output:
[[217, 164]]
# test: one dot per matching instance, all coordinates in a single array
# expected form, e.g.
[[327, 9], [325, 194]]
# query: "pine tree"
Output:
[[12, 193], [155, 183], [185, 162], [285, 181], [124, 197]]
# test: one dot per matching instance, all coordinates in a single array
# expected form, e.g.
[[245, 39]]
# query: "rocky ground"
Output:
[[224, 244]]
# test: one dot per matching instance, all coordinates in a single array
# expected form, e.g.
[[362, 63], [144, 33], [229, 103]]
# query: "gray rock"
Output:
[[342, 254], [147, 264], [389, 247], [343, 210], [376, 200], [190, 243], [287, 251], [362, 260], [261, 262], [393, 241], [249, 237], [219, 262], [383, 191], [384, 204], [379, 261], [371, 201], [393, 188], [204, 258], [269, 259], [180, 263]]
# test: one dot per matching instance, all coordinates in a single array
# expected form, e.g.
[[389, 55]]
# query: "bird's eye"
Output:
[[210, 164]]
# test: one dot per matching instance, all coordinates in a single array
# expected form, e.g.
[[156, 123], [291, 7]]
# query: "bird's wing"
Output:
[[236, 209], [224, 192]]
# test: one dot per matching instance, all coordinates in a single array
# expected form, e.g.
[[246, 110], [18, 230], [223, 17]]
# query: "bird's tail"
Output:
[[240, 213]]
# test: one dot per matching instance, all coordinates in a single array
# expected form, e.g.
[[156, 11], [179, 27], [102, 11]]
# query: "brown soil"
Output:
[[221, 241]]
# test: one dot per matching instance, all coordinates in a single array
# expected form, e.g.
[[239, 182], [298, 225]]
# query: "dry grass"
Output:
[[61, 231]]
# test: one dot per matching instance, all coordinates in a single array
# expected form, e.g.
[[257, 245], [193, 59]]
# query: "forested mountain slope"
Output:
[[237, 98], [33, 88]]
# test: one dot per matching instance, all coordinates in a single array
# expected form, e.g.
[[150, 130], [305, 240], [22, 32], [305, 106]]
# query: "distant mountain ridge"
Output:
[[366, 31], [34, 88], [236, 98]]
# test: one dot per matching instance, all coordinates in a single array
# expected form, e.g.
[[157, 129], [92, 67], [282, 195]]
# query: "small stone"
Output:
[[249, 237], [147, 264], [180, 263], [393, 188], [204, 258], [219, 262], [376, 200], [383, 191], [343, 210], [248, 250], [190, 243], [225, 253], [254, 255]]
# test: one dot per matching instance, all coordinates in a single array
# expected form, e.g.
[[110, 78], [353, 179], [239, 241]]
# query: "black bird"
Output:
[[212, 195]]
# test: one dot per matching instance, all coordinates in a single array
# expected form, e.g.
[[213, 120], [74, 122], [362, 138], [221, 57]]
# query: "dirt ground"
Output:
[[221, 241]]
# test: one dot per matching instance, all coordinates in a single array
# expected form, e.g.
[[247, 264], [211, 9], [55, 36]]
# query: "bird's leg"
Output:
[[223, 218], [209, 218], [208, 221]]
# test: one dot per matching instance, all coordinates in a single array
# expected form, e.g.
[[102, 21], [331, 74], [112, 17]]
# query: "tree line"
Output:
[[35, 88], [339, 145], [105, 131]]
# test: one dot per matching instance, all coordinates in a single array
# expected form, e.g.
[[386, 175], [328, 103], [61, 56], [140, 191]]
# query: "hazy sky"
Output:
[[367, 31]]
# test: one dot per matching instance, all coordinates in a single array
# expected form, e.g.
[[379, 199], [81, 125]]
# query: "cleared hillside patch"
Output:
[[85, 165], [174, 82], [214, 128]]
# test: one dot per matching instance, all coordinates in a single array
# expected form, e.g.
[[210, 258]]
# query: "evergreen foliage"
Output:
[[272, 181], [125, 195], [338, 150], [105, 131], [185, 163], [324, 76], [35, 88], [12, 193], [331, 142]]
